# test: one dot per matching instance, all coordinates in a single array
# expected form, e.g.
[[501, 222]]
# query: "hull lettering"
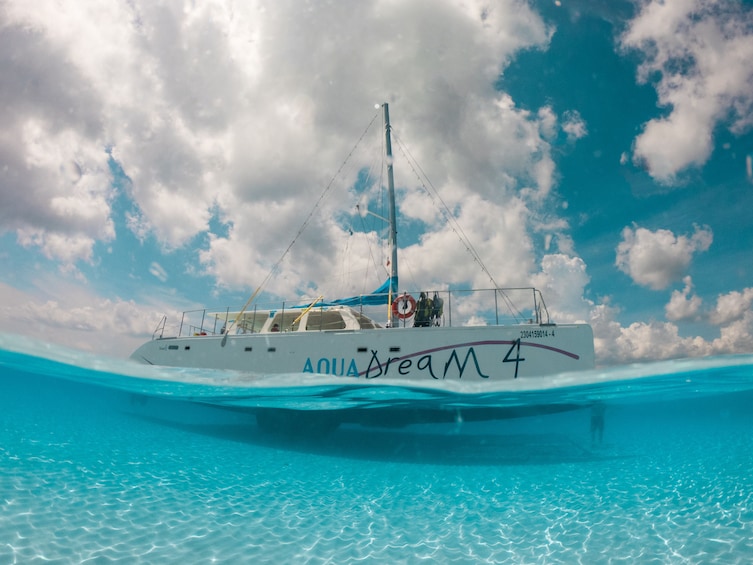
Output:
[[480, 360], [338, 366]]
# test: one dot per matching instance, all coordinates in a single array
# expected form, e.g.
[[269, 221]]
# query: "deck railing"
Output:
[[458, 307]]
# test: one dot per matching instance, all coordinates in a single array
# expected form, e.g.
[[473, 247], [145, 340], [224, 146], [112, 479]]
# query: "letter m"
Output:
[[461, 367]]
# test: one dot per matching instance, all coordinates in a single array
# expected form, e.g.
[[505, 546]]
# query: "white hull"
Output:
[[481, 353]]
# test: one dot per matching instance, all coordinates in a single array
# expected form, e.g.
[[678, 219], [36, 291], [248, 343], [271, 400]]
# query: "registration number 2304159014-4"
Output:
[[528, 334]]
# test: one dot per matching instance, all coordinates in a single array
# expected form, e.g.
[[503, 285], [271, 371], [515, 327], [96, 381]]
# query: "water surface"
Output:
[[103, 461]]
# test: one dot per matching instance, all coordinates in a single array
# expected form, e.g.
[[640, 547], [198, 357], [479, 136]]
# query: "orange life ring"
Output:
[[404, 306]]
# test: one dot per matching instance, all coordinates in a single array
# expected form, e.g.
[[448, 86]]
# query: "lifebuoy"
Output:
[[404, 306]]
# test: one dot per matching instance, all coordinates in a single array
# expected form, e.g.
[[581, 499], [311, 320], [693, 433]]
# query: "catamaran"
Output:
[[384, 336]]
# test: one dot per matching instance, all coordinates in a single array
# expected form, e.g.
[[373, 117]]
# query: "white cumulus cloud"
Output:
[[657, 258], [241, 111], [574, 125], [699, 54], [683, 305], [563, 280], [732, 307]]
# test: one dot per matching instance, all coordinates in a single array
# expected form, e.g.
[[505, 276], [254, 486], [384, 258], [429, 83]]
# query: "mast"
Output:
[[391, 198]]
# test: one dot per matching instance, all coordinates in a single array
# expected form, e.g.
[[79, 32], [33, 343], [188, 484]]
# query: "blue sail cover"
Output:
[[378, 297]]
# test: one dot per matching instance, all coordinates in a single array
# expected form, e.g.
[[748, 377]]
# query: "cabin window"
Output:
[[284, 320], [325, 320], [251, 322], [364, 322]]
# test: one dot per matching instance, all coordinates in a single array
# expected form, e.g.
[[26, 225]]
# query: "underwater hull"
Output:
[[305, 422], [483, 353]]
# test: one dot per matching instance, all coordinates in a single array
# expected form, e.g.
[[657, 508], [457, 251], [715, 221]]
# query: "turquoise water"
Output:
[[102, 461]]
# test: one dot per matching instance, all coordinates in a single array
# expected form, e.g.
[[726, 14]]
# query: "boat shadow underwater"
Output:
[[361, 434]]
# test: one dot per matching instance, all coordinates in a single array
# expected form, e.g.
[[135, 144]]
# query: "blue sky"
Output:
[[160, 157]]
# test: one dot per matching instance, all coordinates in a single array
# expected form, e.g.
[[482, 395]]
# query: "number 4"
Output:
[[517, 359]]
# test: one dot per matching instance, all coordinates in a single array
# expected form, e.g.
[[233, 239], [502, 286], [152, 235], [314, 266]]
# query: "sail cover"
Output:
[[377, 297]]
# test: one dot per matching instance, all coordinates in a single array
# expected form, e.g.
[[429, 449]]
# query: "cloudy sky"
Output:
[[159, 156]]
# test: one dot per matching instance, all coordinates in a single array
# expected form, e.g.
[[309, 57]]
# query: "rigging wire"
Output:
[[378, 263], [373, 259], [433, 194], [275, 268], [367, 228]]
